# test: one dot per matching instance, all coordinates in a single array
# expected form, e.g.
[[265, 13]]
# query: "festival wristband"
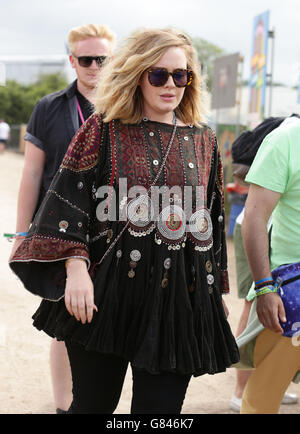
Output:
[[269, 289], [264, 282], [17, 235], [266, 279]]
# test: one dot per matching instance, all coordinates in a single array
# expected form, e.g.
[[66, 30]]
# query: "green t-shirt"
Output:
[[277, 168]]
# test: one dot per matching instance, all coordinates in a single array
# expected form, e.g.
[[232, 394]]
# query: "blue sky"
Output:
[[41, 26]]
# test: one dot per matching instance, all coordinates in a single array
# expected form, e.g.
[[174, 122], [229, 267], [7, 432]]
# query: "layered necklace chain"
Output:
[[145, 119]]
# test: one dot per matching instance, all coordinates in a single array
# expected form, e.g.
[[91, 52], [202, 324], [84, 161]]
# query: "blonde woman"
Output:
[[131, 277]]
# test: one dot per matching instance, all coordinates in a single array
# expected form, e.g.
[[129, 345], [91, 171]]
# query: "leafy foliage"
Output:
[[17, 100], [207, 53]]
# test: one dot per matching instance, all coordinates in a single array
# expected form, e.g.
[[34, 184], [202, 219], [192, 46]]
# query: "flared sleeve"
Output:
[[217, 204], [61, 226]]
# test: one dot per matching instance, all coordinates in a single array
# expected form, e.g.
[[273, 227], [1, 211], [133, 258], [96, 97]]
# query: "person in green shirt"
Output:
[[275, 190]]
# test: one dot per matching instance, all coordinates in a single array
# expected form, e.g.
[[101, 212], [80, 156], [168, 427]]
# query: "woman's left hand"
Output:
[[225, 308], [79, 292]]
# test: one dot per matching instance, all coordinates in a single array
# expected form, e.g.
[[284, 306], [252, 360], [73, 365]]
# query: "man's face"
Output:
[[88, 76]]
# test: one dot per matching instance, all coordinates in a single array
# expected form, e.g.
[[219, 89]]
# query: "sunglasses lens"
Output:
[[158, 77], [100, 60], [85, 61], [180, 77]]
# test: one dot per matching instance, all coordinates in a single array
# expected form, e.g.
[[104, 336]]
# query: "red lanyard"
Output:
[[79, 111]]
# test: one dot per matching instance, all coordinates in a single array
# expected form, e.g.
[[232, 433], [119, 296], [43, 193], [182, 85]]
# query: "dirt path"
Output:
[[24, 352]]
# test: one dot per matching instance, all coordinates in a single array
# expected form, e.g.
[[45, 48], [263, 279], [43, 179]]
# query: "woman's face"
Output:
[[160, 102]]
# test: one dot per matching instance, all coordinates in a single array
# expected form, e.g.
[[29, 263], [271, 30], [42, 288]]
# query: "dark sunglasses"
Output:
[[159, 77], [86, 61]]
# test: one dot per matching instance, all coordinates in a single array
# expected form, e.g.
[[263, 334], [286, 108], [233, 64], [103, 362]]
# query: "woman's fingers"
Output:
[[74, 306], [81, 307], [68, 303], [90, 306], [79, 295]]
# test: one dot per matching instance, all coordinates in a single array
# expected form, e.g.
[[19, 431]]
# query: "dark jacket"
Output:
[[51, 127]]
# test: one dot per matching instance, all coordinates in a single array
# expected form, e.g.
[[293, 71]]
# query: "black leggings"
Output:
[[98, 380]]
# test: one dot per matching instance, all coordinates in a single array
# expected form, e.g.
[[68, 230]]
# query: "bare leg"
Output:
[[242, 376], [244, 317], [61, 375]]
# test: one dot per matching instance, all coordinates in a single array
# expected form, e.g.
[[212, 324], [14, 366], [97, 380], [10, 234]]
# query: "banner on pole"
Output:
[[258, 74], [224, 82]]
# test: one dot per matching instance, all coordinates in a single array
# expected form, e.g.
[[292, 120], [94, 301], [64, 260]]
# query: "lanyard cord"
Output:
[[79, 110]]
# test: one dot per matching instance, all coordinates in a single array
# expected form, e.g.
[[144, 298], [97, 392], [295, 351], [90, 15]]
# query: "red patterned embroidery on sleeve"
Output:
[[41, 248]]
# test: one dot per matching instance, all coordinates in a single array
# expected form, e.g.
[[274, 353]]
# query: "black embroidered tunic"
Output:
[[159, 287]]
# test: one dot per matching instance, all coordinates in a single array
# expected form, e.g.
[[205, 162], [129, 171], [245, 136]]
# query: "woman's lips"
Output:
[[167, 96]]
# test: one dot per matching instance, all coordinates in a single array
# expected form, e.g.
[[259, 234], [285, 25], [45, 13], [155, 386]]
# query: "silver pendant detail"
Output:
[[140, 211], [63, 225], [172, 223], [167, 263], [135, 255], [210, 279], [143, 233], [201, 225]]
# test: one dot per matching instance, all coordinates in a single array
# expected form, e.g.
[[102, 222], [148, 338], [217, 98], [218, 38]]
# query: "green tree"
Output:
[[17, 100], [207, 53]]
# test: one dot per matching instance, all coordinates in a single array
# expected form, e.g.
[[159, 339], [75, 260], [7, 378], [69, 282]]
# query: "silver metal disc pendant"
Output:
[[143, 233], [167, 263], [201, 229], [135, 255], [171, 224], [63, 226], [140, 211], [201, 225], [210, 279]]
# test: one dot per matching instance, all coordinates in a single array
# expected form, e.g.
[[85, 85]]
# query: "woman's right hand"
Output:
[[79, 292]]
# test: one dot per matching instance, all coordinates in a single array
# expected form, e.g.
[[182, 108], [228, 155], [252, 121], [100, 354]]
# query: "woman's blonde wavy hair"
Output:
[[118, 94]]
